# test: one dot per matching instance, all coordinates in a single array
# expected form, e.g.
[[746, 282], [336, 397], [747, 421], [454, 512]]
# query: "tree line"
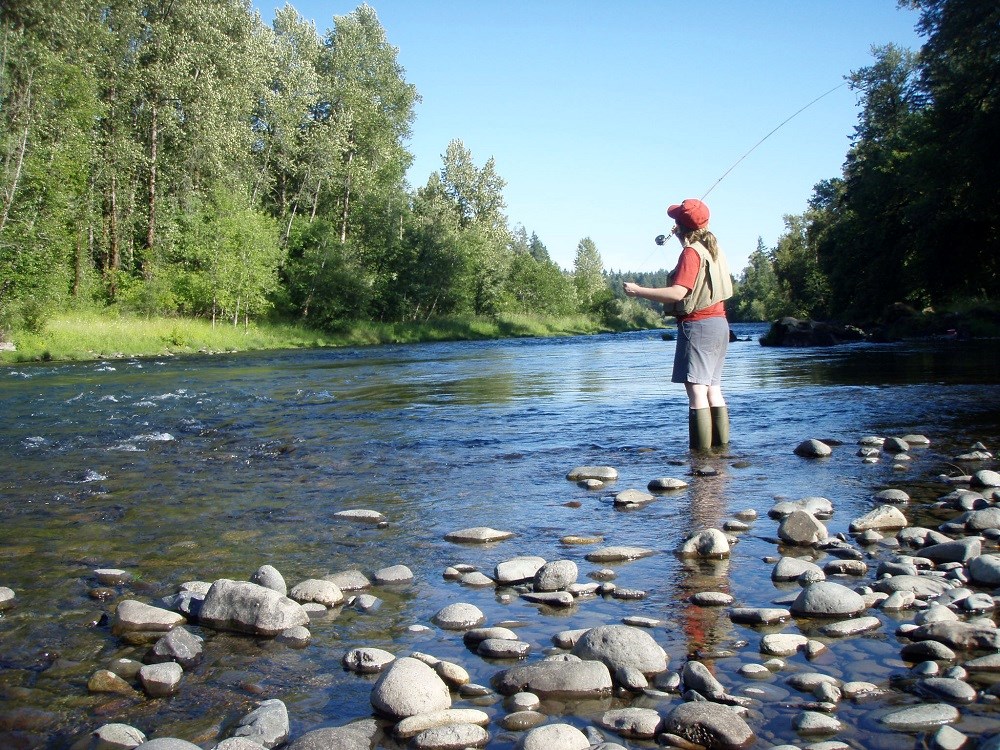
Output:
[[914, 217], [183, 157]]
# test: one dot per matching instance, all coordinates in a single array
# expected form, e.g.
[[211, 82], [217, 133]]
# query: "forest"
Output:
[[183, 158], [914, 217]]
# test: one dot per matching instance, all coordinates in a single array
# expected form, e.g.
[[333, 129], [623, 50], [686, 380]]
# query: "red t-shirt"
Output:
[[686, 274]]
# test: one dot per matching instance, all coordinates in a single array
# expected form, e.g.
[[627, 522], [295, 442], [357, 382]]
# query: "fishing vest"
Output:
[[713, 284]]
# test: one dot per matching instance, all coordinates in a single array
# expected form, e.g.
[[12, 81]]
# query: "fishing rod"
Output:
[[661, 239], [775, 130]]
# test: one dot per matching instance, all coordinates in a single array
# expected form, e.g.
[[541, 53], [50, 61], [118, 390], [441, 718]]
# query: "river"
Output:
[[206, 467]]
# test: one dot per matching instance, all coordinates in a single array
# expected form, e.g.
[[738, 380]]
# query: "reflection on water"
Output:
[[200, 468]]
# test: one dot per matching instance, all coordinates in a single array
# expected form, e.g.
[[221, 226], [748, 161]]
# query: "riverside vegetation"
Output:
[[99, 336], [185, 159]]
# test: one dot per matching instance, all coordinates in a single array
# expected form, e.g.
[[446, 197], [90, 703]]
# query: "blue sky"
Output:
[[600, 115]]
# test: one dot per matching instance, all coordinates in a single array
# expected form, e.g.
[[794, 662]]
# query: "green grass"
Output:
[[90, 336]]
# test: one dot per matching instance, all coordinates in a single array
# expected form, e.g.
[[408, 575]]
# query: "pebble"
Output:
[[367, 660], [712, 599], [810, 723], [554, 737], [759, 615], [502, 648], [632, 723], [161, 680], [459, 616], [813, 448], [601, 473], [478, 535], [921, 717], [666, 484], [618, 554], [411, 726]]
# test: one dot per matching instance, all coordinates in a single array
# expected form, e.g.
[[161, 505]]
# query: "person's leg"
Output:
[[717, 404], [699, 417]]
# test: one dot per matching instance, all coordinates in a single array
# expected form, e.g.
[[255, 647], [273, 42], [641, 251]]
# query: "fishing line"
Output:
[[776, 129], [758, 143]]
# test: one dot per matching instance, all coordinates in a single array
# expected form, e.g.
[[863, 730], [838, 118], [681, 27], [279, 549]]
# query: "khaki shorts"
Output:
[[701, 351]]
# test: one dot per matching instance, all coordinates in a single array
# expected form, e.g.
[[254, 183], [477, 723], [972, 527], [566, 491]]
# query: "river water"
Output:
[[206, 467]]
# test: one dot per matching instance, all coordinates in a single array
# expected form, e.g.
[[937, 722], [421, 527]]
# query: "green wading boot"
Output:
[[700, 429], [720, 425]]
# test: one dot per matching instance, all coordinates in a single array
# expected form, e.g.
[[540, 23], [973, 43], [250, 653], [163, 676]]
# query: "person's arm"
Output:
[[666, 294]]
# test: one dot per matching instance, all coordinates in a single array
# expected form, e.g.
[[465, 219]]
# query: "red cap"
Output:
[[690, 214]]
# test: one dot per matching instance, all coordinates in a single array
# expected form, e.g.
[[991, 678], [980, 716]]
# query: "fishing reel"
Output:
[[660, 239]]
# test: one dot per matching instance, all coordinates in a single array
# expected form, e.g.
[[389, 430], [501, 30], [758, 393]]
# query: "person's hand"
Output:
[[631, 289]]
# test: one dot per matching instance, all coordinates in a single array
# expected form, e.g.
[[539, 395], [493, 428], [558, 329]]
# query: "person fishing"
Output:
[[696, 293]]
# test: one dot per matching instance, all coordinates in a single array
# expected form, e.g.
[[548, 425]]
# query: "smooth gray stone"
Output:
[[828, 599], [638, 723], [517, 569], [266, 725], [135, 616], [248, 608], [961, 636], [503, 648], [269, 577], [813, 448], [802, 528], [883, 518], [921, 717], [709, 724], [319, 591], [348, 580], [557, 575], [959, 550], [620, 646], [696, 676], [557, 679], [367, 660], [116, 737], [359, 735], [459, 616], [947, 689], [407, 687], [790, 568], [759, 615], [554, 737], [926, 650], [923, 587], [478, 535], [161, 680], [451, 737], [179, 645], [820, 507], [602, 473]]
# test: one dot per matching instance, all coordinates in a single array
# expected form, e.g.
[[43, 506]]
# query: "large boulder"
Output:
[[560, 680], [249, 608], [622, 646], [409, 687], [711, 725], [828, 599], [794, 332]]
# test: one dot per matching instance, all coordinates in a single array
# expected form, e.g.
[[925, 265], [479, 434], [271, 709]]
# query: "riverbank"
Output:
[[93, 336]]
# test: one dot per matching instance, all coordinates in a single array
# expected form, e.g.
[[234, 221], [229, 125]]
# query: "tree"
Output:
[[758, 293], [956, 200], [803, 284], [588, 276], [476, 197], [47, 104]]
